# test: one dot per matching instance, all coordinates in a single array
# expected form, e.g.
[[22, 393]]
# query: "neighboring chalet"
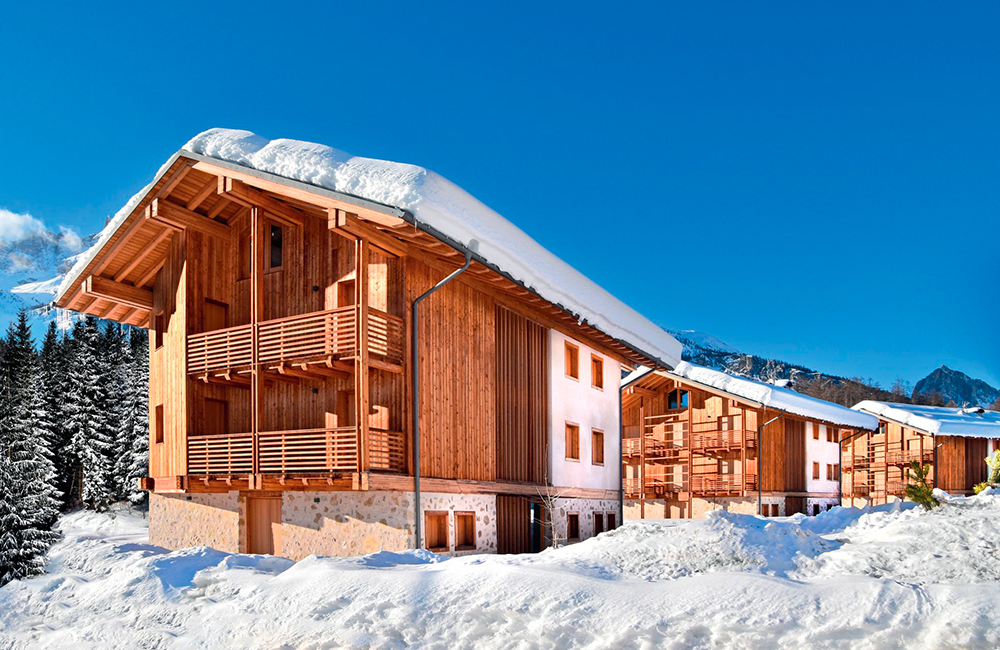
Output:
[[954, 442], [695, 438], [283, 284]]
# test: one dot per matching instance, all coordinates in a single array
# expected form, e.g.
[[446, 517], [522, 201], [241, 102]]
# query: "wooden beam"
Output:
[[206, 191], [151, 273], [342, 222], [141, 255], [175, 180], [125, 294], [240, 192], [171, 214], [219, 206]]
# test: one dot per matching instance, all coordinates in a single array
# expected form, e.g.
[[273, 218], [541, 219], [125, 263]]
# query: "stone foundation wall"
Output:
[[823, 503], [182, 520], [586, 509], [698, 507]]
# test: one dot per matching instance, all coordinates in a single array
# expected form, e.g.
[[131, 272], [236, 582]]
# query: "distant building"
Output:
[[694, 437], [954, 442]]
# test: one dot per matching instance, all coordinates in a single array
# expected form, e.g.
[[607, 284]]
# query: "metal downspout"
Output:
[[415, 378], [621, 461]]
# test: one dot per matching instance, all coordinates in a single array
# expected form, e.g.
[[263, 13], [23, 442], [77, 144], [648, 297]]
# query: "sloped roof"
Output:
[[764, 394], [937, 420]]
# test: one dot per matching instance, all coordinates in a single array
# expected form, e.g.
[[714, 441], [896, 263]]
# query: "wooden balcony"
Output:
[[654, 487], [906, 456], [722, 484], [299, 452], [325, 336], [722, 440]]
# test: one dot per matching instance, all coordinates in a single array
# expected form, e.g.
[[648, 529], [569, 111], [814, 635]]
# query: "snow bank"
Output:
[[769, 395], [939, 420], [885, 577], [437, 202]]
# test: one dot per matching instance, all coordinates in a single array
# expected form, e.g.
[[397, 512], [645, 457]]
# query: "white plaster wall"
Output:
[[578, 402], [824, 453]]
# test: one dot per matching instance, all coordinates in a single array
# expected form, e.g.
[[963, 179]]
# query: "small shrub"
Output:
[[994, 464], [920, 491], [979, 487]]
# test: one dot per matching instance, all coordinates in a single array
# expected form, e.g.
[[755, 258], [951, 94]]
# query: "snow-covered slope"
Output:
[[888, 578]]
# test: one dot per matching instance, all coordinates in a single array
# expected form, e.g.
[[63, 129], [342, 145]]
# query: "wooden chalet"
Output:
[[283, 374], [696, 439], [952, 442]]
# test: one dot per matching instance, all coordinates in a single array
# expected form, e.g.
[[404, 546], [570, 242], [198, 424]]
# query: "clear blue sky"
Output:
[[813, 182]]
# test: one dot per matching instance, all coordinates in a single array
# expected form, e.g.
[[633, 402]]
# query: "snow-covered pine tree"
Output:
[[29, 507], [114, 362], [133, 464], [53, 362], [88, 426]]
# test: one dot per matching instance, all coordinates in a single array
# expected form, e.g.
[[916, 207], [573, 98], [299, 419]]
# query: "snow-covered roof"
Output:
[[449, 211], [937, 420], [774, 397]]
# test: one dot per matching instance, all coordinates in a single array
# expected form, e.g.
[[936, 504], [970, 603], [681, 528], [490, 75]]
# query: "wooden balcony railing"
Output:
[[655, 486], [905, 456], [719, 484], [722, 439], [897, 488], [303, 451], [324, 334]]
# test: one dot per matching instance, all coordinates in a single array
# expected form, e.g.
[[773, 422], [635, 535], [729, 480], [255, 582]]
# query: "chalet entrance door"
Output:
[[263, 524]]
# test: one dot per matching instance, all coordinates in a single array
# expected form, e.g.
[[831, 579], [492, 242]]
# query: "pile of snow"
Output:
[[437, 202], [937, 420], [848, 578], [772, 396]]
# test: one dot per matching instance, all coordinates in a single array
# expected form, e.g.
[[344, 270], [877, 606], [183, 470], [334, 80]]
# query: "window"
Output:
[[597, 372], [573, 526], [815, 470], [829, 472], [677, 399], [159, 329], [436, 531], [572, 442], [611, 520], [836, 470], [158, 417], [345, 293], [245, 269], [832, 434], [597, 447], [598, 523], [276, 256], [572, 361], [815, 432], [465, 531]]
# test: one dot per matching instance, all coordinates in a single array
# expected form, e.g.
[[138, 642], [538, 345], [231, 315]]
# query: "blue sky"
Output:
[[816, 183]]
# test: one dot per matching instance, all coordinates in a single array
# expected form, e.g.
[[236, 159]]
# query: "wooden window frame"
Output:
[[573, 516], [427, 527], [610, 522], [159, 329], [596, 372], [269, 225], [836, 471], [594, 433], [815, 470], [575, 428], [599, 517], [472, 519], [571, 360], [815, 431], [829, 471], [159, 425]]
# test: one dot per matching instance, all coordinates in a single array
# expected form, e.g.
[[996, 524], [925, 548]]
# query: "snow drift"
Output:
[[887, 577]]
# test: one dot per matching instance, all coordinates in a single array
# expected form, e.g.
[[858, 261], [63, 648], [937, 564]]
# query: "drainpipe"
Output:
[[760, 459], [415, 370], [621, 461]]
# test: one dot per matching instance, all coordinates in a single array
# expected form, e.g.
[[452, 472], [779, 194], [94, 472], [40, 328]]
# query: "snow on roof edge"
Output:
[[935, 420], [432, 200]]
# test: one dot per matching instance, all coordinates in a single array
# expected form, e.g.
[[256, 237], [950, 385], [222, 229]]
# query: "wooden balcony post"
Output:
[[361, 367], [256, 298]]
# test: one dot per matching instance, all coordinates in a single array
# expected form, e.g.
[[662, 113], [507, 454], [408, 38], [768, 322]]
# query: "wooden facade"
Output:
[[280, 348], [876, 464], [686, 442]]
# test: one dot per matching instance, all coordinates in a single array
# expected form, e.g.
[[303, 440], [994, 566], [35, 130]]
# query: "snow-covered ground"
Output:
[[846, 578]]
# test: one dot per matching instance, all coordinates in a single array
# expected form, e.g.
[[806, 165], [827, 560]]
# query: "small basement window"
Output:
[[572, 442], [276, 256], [436, 531], [597, 447], [573, 526], [597, 372], [611, 520], [158, 417], [465, 531], [572, 361], [598, 523]]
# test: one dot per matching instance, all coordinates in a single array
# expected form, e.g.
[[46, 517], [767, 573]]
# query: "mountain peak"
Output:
[[956, 386]]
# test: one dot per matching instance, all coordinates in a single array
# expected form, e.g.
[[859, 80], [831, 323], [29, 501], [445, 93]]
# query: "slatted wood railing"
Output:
[[224, 455], [309, 451], [722, 483], [324, 334], [219, 349], [722, 439], [386, 450], [905, 456]]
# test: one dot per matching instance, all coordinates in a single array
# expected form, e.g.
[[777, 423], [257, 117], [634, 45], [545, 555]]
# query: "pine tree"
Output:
[[28, 503], [88, 425], [133, 464], [51, 385]]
